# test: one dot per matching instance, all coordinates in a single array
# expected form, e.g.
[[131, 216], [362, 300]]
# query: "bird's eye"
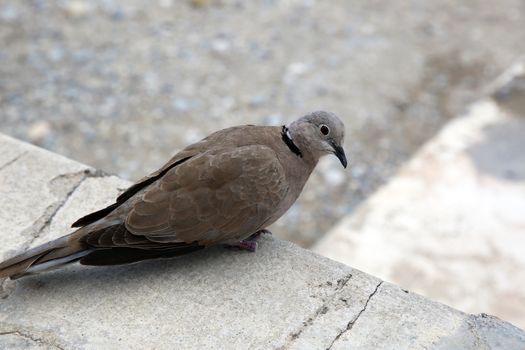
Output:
[[324, 129]]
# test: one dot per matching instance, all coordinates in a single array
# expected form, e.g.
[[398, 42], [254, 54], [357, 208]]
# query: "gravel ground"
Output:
[[122, 85]]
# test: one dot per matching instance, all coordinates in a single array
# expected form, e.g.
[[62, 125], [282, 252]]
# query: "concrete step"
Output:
[[451, 224], [281, 297]]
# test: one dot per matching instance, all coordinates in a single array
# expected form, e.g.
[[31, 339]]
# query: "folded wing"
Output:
[[215, 197]]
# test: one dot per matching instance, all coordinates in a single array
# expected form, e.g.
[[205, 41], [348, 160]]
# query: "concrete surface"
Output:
[[451, 224], [122, 85], [281, 297]]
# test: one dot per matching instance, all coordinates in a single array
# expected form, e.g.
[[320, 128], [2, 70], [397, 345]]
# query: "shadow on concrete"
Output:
[[502, 152]]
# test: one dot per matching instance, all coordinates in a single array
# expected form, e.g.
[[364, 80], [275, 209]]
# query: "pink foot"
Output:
[[250, 246], [250, 243]]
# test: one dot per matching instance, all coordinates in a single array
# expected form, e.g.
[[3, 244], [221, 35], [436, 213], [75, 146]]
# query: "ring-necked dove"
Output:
[[224, 189]]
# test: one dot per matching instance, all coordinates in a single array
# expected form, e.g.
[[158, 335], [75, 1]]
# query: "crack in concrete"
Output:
[[45, 220], [321, 310], [12, 161], [33, 338], [472, 324], [86, 174], [350, 324]]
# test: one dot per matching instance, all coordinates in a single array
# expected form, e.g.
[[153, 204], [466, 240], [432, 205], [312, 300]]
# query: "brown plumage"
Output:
[[222, 189]]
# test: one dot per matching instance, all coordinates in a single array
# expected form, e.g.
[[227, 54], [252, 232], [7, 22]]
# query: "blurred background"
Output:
[[123, 85]]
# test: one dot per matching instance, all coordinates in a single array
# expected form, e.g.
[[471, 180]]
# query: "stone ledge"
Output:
[[281, 297], [453, 217]]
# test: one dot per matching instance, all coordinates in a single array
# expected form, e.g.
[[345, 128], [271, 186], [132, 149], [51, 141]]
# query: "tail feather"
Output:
[[37, 251], [16, 270], [76, 247], [53, 264], [44, 257]]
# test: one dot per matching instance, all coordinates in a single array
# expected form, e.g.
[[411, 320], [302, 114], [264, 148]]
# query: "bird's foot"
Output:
[[250, 243], [250, 246]]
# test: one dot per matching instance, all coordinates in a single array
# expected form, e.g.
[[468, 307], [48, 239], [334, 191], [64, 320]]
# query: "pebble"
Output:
[[334, 177], [294, 71], [77, 8], [38, 131], [181, 105], [297, 69], [166, 3], [221, 46]]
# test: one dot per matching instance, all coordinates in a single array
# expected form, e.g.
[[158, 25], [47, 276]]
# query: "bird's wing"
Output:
[[225, 137], [218, 196], [179, 158]]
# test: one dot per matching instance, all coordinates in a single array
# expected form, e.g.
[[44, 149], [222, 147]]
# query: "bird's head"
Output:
[[320, 133]]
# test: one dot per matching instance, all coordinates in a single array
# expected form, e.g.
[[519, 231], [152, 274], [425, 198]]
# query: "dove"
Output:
[[225, 189]]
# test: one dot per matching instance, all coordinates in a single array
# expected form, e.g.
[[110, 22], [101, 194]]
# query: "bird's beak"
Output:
[[340, 154]]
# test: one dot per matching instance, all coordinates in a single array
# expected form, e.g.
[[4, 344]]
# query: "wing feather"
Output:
[[215, 197]]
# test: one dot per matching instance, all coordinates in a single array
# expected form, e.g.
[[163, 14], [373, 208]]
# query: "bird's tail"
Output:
[[48, 256]]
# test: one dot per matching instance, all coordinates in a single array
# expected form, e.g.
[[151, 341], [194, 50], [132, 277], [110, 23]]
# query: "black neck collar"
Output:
[[285, 134]]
